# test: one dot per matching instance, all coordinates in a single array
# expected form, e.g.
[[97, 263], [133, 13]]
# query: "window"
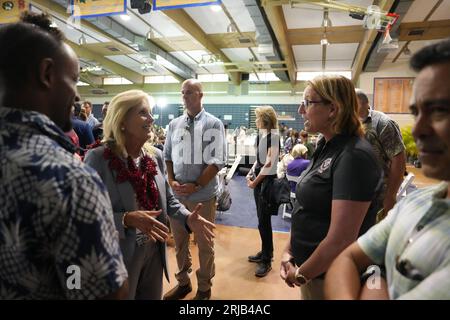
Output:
[[305, 76], [216, 77], [160, 79], [116, 81], [263, 77]]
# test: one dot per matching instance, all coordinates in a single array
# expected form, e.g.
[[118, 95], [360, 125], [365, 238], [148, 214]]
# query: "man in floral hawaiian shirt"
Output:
[[57, 235]]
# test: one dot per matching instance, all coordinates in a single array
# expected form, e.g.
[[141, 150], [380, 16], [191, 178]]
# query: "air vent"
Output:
[[244, 40], [114, 49], [99, 91], [416, 32]]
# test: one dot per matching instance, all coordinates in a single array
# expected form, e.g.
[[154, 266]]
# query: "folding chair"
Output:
[[222, 175]]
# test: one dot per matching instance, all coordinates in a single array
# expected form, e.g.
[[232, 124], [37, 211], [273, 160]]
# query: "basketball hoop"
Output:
[[388, 44], [387, 37], [376, 19]]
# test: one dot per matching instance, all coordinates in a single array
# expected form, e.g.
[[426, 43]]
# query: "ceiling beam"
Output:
[[276, 19], [424, 29], [92, 79], [431, 30], [53, 7], [367, 41], [233, 40], [343, 34], [82, 51], [172, 90], [180, 17]]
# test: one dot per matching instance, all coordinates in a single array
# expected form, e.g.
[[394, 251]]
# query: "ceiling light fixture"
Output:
[[150, 34], [231, 28], [92, 69], [406, 51], [82, 40], [326, 22], [147, 66], [209, 60], [324, 41], [216, 8]]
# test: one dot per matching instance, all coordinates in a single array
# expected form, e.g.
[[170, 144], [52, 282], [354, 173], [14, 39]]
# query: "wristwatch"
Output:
[[300, 279]]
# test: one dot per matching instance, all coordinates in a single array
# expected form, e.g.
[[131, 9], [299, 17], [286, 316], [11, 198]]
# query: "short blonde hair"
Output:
[[340, 91], [299, 150], [118, 108], [268, 116]]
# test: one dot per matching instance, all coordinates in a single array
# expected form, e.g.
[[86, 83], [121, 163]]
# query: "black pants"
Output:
[[264, 225]]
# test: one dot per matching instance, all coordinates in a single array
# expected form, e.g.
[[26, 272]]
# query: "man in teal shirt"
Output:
[[413, 241]]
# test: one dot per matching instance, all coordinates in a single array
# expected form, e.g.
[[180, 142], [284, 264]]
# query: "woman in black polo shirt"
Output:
[[334, 193], [259, 178]]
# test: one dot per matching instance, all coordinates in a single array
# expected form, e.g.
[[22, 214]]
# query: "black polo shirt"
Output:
[[343, 168]]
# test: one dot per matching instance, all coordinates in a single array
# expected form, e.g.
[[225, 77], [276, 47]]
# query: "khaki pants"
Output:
[[205, 251], [313, 290]]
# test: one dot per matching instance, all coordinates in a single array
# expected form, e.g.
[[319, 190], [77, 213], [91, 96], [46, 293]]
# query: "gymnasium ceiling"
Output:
[[267, 39]]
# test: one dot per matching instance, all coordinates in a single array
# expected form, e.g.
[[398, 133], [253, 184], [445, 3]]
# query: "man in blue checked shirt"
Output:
[[413, 241], [195, 150]]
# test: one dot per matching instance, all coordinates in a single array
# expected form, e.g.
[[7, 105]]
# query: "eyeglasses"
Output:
[[406, 269], [309, 103]]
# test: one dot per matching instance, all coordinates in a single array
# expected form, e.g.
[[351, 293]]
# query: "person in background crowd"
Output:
[[283, 163], [386, 139], [83, 115], [200, 137], [334, 193], [91, 120], [299, 164], [56, 216], [104, 109], [97, 131], [305, 141], [291, 141], [413, 241], [283, 131], [141, 197], [259, 178], [82, 129]]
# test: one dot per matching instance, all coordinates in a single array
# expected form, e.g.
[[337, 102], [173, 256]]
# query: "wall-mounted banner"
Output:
[[10, 10], [174, 4], [96, 8]]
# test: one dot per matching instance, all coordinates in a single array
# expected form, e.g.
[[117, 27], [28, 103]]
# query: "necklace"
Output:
[[141, 178]]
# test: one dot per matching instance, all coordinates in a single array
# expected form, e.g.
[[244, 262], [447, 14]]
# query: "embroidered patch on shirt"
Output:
[[325, 165]]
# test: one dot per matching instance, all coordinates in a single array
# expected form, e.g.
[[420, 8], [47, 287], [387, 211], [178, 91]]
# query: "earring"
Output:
[[123, 129]]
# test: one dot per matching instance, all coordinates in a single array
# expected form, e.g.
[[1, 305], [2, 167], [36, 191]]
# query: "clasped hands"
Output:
[[184, 189], [287, 270], [250, 183], [157, 231]]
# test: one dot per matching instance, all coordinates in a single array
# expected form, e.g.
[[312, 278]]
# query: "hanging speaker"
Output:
[[143, 6]]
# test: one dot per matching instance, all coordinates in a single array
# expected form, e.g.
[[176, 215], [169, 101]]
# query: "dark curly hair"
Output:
[[432, 54], [24, 44]]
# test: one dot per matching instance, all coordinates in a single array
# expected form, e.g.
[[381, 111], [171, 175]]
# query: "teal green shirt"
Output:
[[413, 242]]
